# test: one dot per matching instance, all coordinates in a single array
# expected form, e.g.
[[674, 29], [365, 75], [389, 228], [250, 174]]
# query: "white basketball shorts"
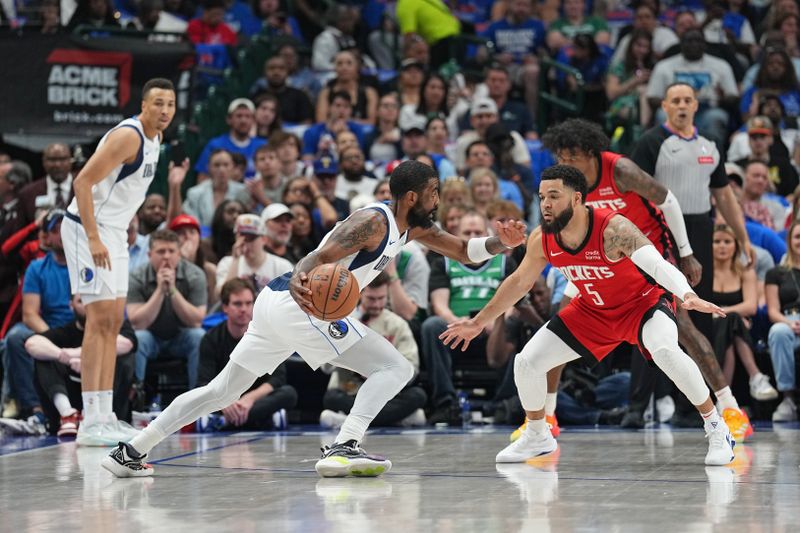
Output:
[[280, 327], [92, 283]]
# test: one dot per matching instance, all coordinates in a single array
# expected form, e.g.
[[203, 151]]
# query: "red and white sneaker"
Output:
[[69, 425]]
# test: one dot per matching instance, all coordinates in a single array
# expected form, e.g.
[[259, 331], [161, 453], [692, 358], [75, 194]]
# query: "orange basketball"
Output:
[[334, 291]]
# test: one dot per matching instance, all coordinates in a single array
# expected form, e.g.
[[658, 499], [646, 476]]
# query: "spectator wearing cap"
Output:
[[337, 36], [188, 230], [249, 260], [348, 79], [319, 138], [431, 21], [203, 198], [410, 82], [294, 104], [240, 120], [483, 113], [353, 180], [782, 174], [383, 142], [45, 305], [167, 300], [277, 223], [209, 27], [415, 143], [326, 178]]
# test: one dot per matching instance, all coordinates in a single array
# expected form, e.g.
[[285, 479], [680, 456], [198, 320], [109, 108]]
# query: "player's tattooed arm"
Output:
[[621, 238], [629, 177], [510, 234]]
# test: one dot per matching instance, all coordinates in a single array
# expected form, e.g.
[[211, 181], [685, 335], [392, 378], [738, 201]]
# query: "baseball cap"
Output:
[[241, 102], [735, 173], [759, 125], [52, 218], [183, 220], [483, 105], [249, 224], [391, 165], [273, 211], [411, 63], [415, 124], [326, 165]]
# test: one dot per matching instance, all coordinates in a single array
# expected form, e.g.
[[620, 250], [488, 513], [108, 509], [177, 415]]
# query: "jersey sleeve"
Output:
[[645, 154], [719, 178], [774, 276], [439, 278]]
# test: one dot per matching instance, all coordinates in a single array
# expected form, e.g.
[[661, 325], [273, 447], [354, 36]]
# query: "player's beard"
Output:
[[419, 218], [559, 221]]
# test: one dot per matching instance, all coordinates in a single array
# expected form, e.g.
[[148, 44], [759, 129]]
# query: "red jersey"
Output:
[[642, 212], [615, 299]]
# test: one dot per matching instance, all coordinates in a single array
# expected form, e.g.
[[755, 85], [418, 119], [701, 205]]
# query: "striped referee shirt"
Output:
[[686, 166]]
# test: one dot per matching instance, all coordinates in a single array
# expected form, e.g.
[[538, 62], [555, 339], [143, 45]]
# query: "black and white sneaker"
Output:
[[125, 461], [349, 459]]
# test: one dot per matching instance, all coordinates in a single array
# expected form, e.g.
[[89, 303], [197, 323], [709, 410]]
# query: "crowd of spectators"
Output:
[[348, 94]]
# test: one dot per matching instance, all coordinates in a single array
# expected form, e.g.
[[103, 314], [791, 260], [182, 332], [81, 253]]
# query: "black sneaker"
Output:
[[349, 459], [125, 461]]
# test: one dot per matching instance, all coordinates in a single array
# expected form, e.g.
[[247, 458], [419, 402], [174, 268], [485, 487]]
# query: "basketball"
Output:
[[334, 291]]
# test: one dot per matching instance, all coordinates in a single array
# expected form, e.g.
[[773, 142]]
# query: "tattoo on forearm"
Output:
[[629, 177], [621, 238], [494, 246]]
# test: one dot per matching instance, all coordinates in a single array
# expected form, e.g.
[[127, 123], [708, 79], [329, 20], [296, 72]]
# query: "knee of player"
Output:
[[405, 371], [103, 323], [526, 364]]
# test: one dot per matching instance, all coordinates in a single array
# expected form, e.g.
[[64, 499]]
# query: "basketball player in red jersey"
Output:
[[617, 183], [604, 255]]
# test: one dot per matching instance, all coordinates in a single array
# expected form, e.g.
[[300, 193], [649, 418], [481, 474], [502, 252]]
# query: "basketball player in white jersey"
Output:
[[282, 324], [108, 192]]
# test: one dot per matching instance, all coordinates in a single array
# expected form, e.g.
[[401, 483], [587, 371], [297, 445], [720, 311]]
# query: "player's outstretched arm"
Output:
[[363, 230], [513, 288], [622, 238], [121, 147], [509, 235], [629, 177]]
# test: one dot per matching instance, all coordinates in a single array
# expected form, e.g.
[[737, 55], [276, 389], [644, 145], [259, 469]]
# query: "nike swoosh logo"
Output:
[[553, 254], [648, 291], [391, 243], [676, 150]]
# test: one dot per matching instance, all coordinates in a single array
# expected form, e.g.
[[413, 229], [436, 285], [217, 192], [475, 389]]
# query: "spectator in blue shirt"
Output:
[[45, 305], [517, 38], [241, 118], [320, 138]]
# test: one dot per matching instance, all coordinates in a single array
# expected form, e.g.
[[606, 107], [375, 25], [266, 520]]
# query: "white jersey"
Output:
[[364, 265], [117, 197]]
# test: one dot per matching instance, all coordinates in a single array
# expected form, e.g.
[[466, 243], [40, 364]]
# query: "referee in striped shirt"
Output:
[[688, 164]]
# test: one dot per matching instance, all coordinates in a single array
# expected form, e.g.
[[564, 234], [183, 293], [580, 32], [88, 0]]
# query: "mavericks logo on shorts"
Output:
[[87, 275], [338, 329]]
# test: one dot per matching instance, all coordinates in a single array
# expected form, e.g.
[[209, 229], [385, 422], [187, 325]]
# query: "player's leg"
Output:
[[387, 372], [660, 338], [701, 352], [550, 403], [542, 353]]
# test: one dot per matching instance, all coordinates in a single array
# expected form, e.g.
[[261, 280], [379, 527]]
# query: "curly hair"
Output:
[[576, 134]]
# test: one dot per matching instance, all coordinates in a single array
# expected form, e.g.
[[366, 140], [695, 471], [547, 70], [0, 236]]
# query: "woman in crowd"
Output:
[[220, 243], [303, 240], [449, 216], [484, 188], [775, 76], [306, 192], [454, 190], [202, 199], [348, 79], [289, 148], [410, 81], [267, 115], [783, 307], [438, 135], [627, 80], [383, 143], [735, 291], [432, 102]]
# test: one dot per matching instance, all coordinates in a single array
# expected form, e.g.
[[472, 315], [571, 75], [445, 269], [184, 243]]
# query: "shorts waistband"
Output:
[[72, 217]]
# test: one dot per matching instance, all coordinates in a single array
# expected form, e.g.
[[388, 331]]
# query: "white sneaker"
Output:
[[331, 419], [760, 389], [105, 433], [279, 420], [528, 445], [720, 445], [415, 419], [786, 411]]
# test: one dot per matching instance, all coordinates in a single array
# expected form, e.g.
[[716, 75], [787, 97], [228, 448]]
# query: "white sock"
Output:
[[711, 419], [61, 401], [725, 399], [106, 403], [538, 426], [550, 403], [91, 407]]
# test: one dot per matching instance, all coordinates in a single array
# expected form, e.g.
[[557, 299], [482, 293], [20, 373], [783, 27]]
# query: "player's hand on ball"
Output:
[[298, 288], [100, 254], [692, 303], [460, 331], [511, 233]]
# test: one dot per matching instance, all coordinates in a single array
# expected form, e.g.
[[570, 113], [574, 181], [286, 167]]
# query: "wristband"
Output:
[[172, 292], [476, 250]]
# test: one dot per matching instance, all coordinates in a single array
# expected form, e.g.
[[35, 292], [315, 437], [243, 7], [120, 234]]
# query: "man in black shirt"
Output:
[[58, 370], [294, 104], [269, 394]]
